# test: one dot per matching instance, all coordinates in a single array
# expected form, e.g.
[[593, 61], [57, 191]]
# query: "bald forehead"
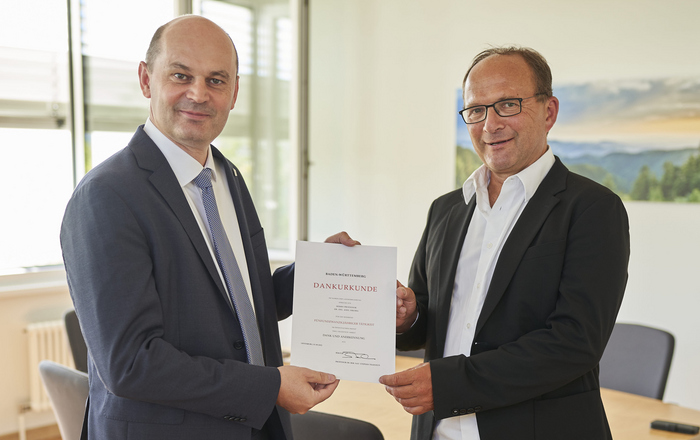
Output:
[[194, 27], [193, 31], [498, 77], [503, 71], [512, 63], [194, 23]]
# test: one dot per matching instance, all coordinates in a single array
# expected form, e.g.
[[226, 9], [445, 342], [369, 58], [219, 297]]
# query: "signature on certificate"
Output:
[[354, 355]]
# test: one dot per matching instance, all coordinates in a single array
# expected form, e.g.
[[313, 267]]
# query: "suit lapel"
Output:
[[522, 235], [456, 226], [149, 157]]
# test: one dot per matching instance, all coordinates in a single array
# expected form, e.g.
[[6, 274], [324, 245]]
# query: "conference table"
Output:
[[629, 415]]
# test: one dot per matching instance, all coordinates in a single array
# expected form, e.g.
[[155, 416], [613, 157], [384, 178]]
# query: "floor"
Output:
[[45, 433]]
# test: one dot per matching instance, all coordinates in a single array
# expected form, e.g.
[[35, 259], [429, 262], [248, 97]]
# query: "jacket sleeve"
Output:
[[415, 337], [283, 280]]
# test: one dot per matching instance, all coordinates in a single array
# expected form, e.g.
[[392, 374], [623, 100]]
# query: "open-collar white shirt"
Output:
[[488, 230], [186, 169]]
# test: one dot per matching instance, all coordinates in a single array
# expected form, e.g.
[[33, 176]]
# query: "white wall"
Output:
[[17, 309], [663, 290], [383, 81]]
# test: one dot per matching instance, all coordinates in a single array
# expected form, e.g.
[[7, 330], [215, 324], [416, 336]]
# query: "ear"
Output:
[[144, 79], [235, 93], [552, 112]]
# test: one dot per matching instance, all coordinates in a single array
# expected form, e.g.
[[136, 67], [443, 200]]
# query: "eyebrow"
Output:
[[498, 100], [221, 73], [179, 66]]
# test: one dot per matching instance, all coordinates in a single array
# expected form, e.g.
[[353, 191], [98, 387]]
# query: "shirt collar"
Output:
[[185, 167], [531, 177]]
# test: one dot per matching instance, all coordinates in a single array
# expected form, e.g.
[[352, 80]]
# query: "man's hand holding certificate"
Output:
[[345, 310]]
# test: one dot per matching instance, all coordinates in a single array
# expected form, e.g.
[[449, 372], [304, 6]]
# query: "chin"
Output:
[[192, 136]]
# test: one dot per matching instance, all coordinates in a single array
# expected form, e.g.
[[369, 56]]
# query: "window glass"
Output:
[[36, 158], [36, 171], [115, 105], [36, 174], [257, 135]]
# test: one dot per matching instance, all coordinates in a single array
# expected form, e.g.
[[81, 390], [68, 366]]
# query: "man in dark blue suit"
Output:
[[168, 354], [517, 280]]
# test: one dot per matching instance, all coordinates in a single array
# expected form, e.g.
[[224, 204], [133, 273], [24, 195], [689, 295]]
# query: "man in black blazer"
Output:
[[517, 280], [167, 354]]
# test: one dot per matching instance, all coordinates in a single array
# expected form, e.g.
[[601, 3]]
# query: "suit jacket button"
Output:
[[238, 345], [455, 412], [470, 410], [462, 411], [242, 419], [477, 408]]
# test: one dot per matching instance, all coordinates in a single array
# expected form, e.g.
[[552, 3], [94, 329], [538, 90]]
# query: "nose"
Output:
[[493, 121], [198, 91]]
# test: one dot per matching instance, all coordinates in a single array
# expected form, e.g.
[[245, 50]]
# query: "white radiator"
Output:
[[46, 341]]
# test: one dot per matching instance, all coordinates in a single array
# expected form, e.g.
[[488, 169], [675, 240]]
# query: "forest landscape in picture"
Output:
[[640, 138]]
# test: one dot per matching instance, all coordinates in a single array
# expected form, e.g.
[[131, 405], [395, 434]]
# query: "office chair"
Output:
[[317, 425], [75, 340], [68, 390], [420, 353], [637, 360]]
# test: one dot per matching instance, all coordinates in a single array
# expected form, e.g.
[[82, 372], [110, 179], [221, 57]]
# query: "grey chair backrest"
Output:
[[420, 353], [637, 360], [316, 425], [76, 340], [68, 391]]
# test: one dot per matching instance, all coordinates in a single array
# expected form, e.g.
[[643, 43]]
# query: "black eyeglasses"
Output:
[[504, 108]]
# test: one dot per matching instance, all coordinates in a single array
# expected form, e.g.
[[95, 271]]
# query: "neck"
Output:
[[495, 185], [494, 189], [199, 154]]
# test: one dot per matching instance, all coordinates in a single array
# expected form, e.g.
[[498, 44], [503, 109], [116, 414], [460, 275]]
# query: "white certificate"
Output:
[[344, 319]]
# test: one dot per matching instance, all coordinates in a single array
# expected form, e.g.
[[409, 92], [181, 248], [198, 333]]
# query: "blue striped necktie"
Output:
[[230, 270]]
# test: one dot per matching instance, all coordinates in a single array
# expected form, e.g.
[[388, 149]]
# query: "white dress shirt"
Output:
[[186, 168], [488, 230]]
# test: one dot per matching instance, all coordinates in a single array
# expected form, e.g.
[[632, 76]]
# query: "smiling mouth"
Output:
[[498, 143], [193, 114]]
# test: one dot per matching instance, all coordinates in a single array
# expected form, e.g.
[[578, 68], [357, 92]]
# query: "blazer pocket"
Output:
[[546, 249], [118, 408], [576, 417]]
